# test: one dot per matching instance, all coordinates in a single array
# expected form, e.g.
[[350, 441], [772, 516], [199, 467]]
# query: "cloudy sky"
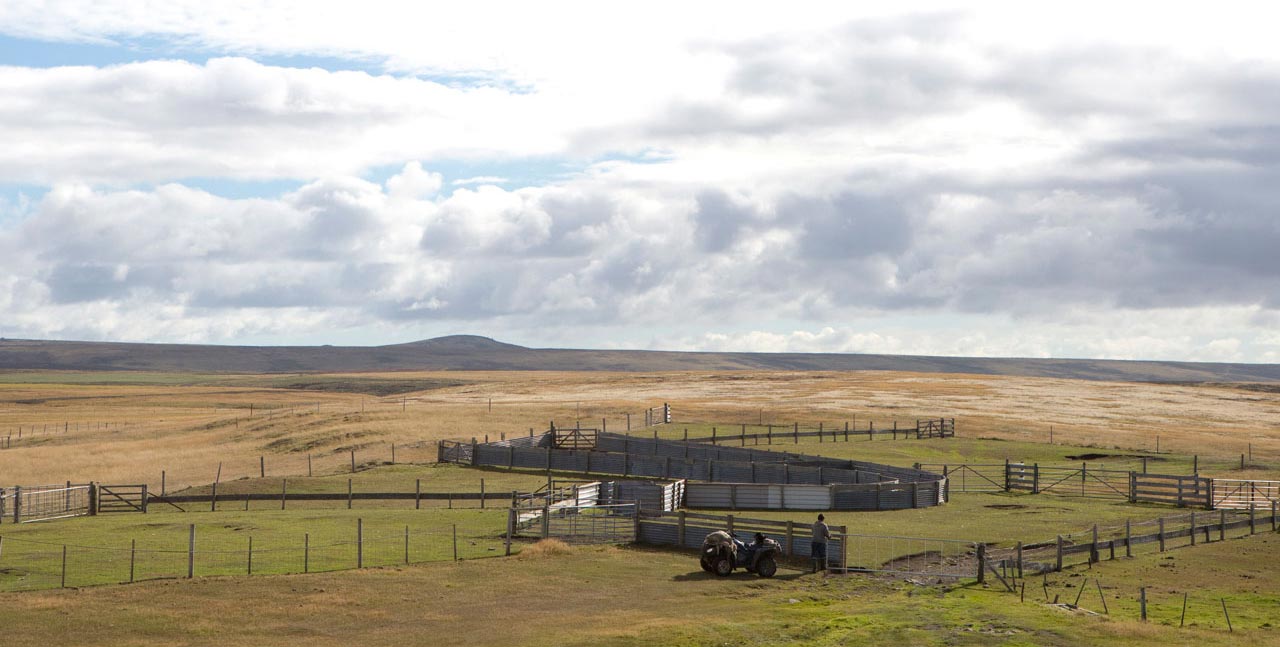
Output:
[[1081, 181]]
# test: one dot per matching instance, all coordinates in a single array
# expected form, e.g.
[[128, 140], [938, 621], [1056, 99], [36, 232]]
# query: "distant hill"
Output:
[[468, 352]]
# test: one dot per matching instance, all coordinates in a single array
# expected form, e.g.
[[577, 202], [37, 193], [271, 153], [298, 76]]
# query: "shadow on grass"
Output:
[[695, 576]]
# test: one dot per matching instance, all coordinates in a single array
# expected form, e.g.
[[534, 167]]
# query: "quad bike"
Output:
[[722, 552]]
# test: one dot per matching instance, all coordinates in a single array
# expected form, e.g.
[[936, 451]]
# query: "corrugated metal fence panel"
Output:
[[756, 497], [805, 476], [727, 472], [862, 497], [490, 455], [770, 473], [641, 465], [714, 496], [528, 458], [569, 461], [895, 497], [648, 494], [807, 497]]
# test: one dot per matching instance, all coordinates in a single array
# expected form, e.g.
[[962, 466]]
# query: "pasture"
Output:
[[261, 434]]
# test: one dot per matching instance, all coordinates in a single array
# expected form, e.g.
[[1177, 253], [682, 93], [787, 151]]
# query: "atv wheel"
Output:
[[706, 565], [723, 566], [766, 567]]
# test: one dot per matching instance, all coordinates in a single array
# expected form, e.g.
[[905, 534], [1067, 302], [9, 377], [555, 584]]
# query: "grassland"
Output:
[[612, 596], [122, 427]]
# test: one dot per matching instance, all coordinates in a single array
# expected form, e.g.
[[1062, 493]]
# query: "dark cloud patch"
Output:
[[849, 225], [718, 219]]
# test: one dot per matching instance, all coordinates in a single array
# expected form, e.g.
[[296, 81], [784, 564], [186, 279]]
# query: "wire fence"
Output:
[[28, 564]]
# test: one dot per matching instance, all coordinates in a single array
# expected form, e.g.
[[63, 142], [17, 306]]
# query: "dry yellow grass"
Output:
[[129, 433], [545, 548]]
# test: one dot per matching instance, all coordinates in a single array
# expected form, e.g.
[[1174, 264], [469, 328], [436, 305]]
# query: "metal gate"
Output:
[[588, 524], [24, 503], [1083, 482], [1245, 495], [122, 498]]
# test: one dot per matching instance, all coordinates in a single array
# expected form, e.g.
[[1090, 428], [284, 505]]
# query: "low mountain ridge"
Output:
[[471, 352]]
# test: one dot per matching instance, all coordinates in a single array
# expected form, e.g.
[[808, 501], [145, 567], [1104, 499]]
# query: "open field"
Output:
[[611, 596], [123, 427], [128, 427]]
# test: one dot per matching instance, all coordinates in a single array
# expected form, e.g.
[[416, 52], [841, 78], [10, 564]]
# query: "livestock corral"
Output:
[[1011, 528]]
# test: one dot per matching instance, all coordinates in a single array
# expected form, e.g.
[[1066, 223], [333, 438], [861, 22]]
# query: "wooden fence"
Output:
[[1099, 543], [925, 428], [1084, 481]]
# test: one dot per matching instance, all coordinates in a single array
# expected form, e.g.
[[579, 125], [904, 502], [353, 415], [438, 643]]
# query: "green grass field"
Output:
[[100, 549], [637, 597]]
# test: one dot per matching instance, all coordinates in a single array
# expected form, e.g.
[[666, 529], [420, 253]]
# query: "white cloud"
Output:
[[479, 179], [796, 169]]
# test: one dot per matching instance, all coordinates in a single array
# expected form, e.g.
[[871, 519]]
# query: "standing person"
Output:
[[818, 549]]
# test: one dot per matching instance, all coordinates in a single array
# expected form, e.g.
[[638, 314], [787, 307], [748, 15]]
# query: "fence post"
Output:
[[1222, 525], [482, 493], [417, 494], [1035, 478], [93, 499], [729, 523], [262, 466], [680, 528], [64, 566], [1133, 484], [17, 504], [982, 563], [1093, 547], [284, 492], [511, 527], [1020, 560], [1160, 522], [791, 551], [353, 457], [359, 543], [1128, 539], [1008, 476], [1058, 566], [133, 556], [306, 552], [1193, 529], [348, 494], [191, 552], [249, 570], [546, 521]]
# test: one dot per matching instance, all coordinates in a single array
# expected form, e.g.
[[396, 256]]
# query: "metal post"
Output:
[[455, 542], [359, 543], [191, 553], [306, 552]]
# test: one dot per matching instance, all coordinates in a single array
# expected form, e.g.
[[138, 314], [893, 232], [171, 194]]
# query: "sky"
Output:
[[1011, 180]]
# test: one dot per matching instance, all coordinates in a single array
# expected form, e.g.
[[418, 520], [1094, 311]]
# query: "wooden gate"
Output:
[[122, 498]]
